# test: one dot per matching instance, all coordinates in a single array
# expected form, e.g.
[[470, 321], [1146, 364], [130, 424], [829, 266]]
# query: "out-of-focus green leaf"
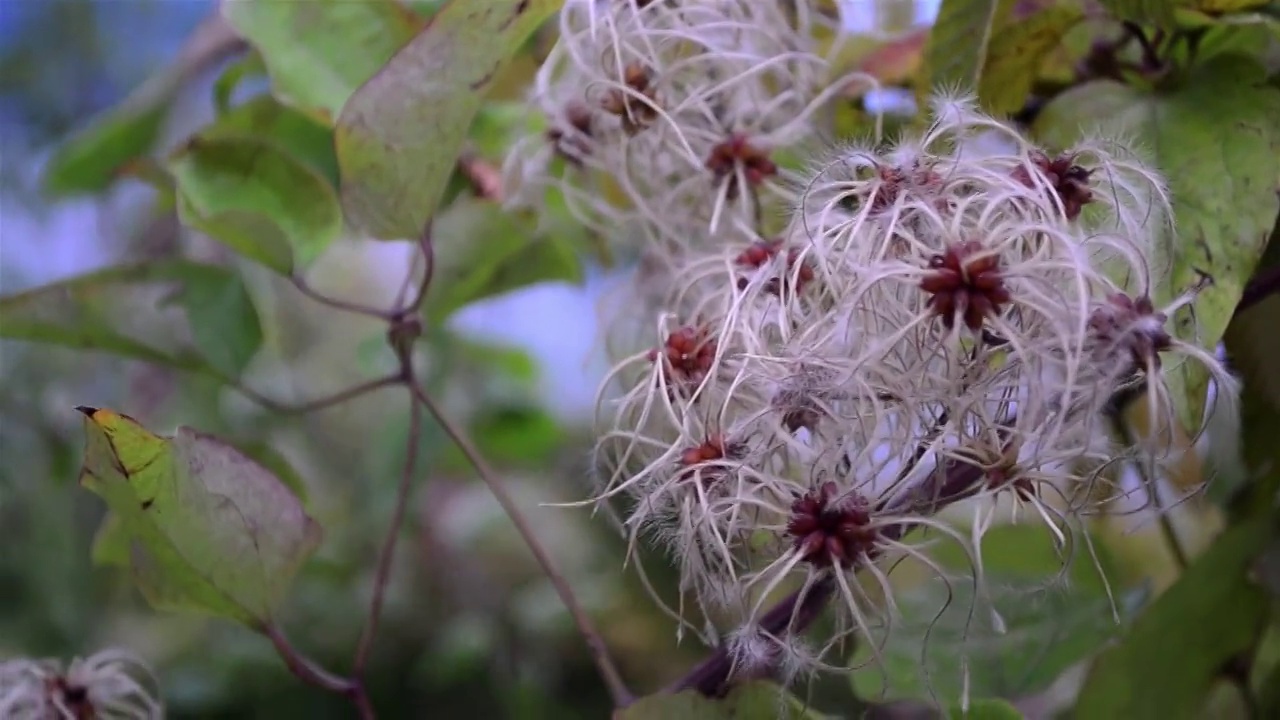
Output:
[[318, 52], [91, 160], [400, 134], [1155, 12], [111, 543], [1051, 620], [249, 65], [116, 310], [1165, 666], [1216, 140], [986, 710], [209, 530], [1016, 51], [481, 251], [751, 701], [263, 117], [257, 199], [956, 51], [515, 436], [224, 322]]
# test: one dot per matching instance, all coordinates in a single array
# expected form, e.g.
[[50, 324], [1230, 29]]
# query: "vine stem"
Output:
[[595, 642], [312, 674], [322, 403], [1167, 531], [387, 554]]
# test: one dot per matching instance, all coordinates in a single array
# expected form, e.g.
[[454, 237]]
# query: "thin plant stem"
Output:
[[387, 554], [310, 673], [322, 403], [345, 305], [429, 261], [1167, 531], [595, 643]]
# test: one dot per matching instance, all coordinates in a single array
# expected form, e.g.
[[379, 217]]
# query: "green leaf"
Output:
[[209, 530], [481, 251], [117, 310], [1215, 139], [318, 52], [1167, 663], [986, 710], [111, 543], [518, 436], [1051, 622], [1016, 53], [956, 50], [750, 701], [92, 160], [400, 134], [224, 322], [257, 199], [265, 118], [94, 157]]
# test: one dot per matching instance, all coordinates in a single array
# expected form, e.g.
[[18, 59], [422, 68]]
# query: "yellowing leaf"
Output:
[[319, 51], [209, 530], [1016, 52], [956, 51], [399, 135]]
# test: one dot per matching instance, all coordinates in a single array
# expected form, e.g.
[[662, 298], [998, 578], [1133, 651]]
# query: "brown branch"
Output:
[[322, 403], [595, 642], [312, 674], [344, 305], [387, 554]]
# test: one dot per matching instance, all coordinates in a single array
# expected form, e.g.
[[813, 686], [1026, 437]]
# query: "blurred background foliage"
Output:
[[471, 628]]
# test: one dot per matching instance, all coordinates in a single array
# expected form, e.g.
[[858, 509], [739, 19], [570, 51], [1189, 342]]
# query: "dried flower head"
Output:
[[940, 319], [108, 685]]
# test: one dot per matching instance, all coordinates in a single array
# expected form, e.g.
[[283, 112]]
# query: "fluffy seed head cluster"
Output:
[[665, 119], [107, 686], [935, 320]]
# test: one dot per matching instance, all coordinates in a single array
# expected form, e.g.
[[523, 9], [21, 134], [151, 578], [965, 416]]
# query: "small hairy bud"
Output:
[[1132, 325]]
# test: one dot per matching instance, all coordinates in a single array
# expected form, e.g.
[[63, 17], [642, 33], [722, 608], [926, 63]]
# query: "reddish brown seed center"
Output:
[[737, 151], [828, 530], [688, 354], [759, 254], [636, 108], [1069, 181], [705, 460], [965, 282]]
